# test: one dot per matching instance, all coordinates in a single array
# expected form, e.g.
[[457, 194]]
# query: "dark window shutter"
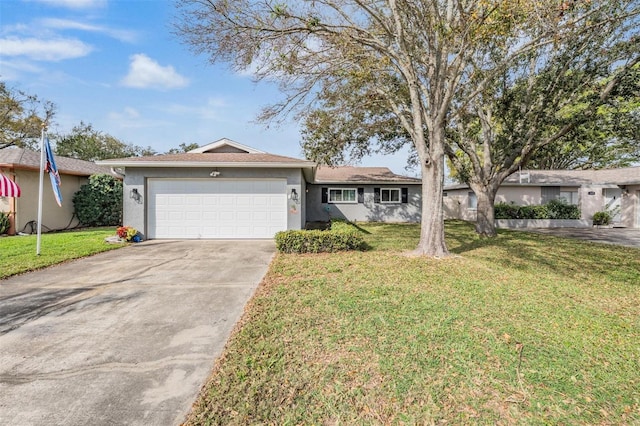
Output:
[[361, 195], [404, 195], [325, 195], [376, 195]]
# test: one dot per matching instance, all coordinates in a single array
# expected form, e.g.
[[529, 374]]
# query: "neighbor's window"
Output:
[[571, 197], [390, 195], [343, 195], [472, 203]]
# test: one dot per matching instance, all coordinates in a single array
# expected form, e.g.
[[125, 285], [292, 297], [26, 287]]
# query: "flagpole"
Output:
[[40, 190]]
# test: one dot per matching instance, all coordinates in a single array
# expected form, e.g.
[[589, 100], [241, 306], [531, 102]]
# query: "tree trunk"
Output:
[[432, 241], [485, 221]]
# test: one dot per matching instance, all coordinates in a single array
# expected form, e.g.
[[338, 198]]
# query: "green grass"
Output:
[[18, 253], [520, 329]]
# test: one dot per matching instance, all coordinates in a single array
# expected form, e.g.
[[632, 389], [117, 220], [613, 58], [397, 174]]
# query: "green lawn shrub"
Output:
[[99, 203], [601, 218], [4, 223], [341, 236], [554, 209]]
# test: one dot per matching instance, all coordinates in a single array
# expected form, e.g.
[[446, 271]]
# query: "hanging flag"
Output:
[[53, 172], [8, 188]]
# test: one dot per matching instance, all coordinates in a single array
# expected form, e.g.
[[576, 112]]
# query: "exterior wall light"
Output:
[[135, 195]]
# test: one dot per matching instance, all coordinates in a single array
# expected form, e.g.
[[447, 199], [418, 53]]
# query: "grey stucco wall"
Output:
[[368, 211], [135, 211]]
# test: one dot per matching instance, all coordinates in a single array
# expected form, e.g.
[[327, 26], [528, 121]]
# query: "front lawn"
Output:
[[18, 253], [521, 329]]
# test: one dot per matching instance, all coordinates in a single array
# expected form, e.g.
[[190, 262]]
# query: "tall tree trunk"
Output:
[[485, 221], [432, 242]]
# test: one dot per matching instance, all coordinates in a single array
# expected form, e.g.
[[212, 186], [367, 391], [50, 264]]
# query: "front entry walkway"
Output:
[[123, 337]]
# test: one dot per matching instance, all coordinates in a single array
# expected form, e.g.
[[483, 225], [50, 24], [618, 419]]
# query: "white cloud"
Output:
[[210, 111], [67, 24], [144, 72], [73, 4], [127, 114], [13, 70], [44, 50], [131, 118]]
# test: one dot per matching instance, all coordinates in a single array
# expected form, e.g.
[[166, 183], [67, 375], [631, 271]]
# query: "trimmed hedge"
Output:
[[340, 237], [554, 209]]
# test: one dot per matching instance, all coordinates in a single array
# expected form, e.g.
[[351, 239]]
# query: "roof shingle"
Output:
[[21, 158], [345, 174]]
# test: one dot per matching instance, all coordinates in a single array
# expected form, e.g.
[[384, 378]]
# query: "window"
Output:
[[343, 195], [389, 195], [571, 197], [472, 201]]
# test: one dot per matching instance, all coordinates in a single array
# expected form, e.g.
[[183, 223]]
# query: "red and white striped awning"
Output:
[[8, 188]]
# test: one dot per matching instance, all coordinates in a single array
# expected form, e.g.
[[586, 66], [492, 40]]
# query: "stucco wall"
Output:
[[135, 212], [455, 205], [523, 196], [53, 216], [368, 211]]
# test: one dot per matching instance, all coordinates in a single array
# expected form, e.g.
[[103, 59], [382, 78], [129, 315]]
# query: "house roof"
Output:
[[605, 177], [227, 153], [25, 159], [348, 174], [209, 159], [622, 176], [226, 145], [222, 153]]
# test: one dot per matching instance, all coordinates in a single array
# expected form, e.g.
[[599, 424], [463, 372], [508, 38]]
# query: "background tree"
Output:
[[183, 147], [21, 117], [610, 139], [444, 53], [536, 106], [86, 143]]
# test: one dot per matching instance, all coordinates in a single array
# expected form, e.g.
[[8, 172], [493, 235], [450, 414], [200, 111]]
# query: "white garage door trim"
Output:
[[216, 208]]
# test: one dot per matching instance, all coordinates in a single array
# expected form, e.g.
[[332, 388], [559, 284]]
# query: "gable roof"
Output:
[[226, 145], [370, 175], [26, 159]]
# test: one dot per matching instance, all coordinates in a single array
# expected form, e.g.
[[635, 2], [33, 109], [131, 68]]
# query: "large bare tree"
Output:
[[440, 52]]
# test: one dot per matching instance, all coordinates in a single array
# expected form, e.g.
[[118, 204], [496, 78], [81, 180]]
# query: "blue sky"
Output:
[[117, 65]]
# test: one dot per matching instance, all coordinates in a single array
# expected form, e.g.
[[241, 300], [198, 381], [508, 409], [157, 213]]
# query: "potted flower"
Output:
[[129, 234]]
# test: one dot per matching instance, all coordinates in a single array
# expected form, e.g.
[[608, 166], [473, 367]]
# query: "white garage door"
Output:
[[212, 208]]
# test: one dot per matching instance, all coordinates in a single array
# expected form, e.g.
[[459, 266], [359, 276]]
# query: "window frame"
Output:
[[342, 189], [472, 201], [389, 190]]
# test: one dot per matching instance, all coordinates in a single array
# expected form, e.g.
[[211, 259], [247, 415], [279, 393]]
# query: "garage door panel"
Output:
[[208, 208]]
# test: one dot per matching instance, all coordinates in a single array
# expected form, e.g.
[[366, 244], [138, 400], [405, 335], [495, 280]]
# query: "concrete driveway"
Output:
[[618, 236], [124, 337]]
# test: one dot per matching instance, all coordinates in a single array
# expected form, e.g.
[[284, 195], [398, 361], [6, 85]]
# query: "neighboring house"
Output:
[[615, 190], [23, 166], [229, 190]]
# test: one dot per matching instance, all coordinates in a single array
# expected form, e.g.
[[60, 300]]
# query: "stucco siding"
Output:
[[368, 210], [53, 216], [135, 213], [522, 196]]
